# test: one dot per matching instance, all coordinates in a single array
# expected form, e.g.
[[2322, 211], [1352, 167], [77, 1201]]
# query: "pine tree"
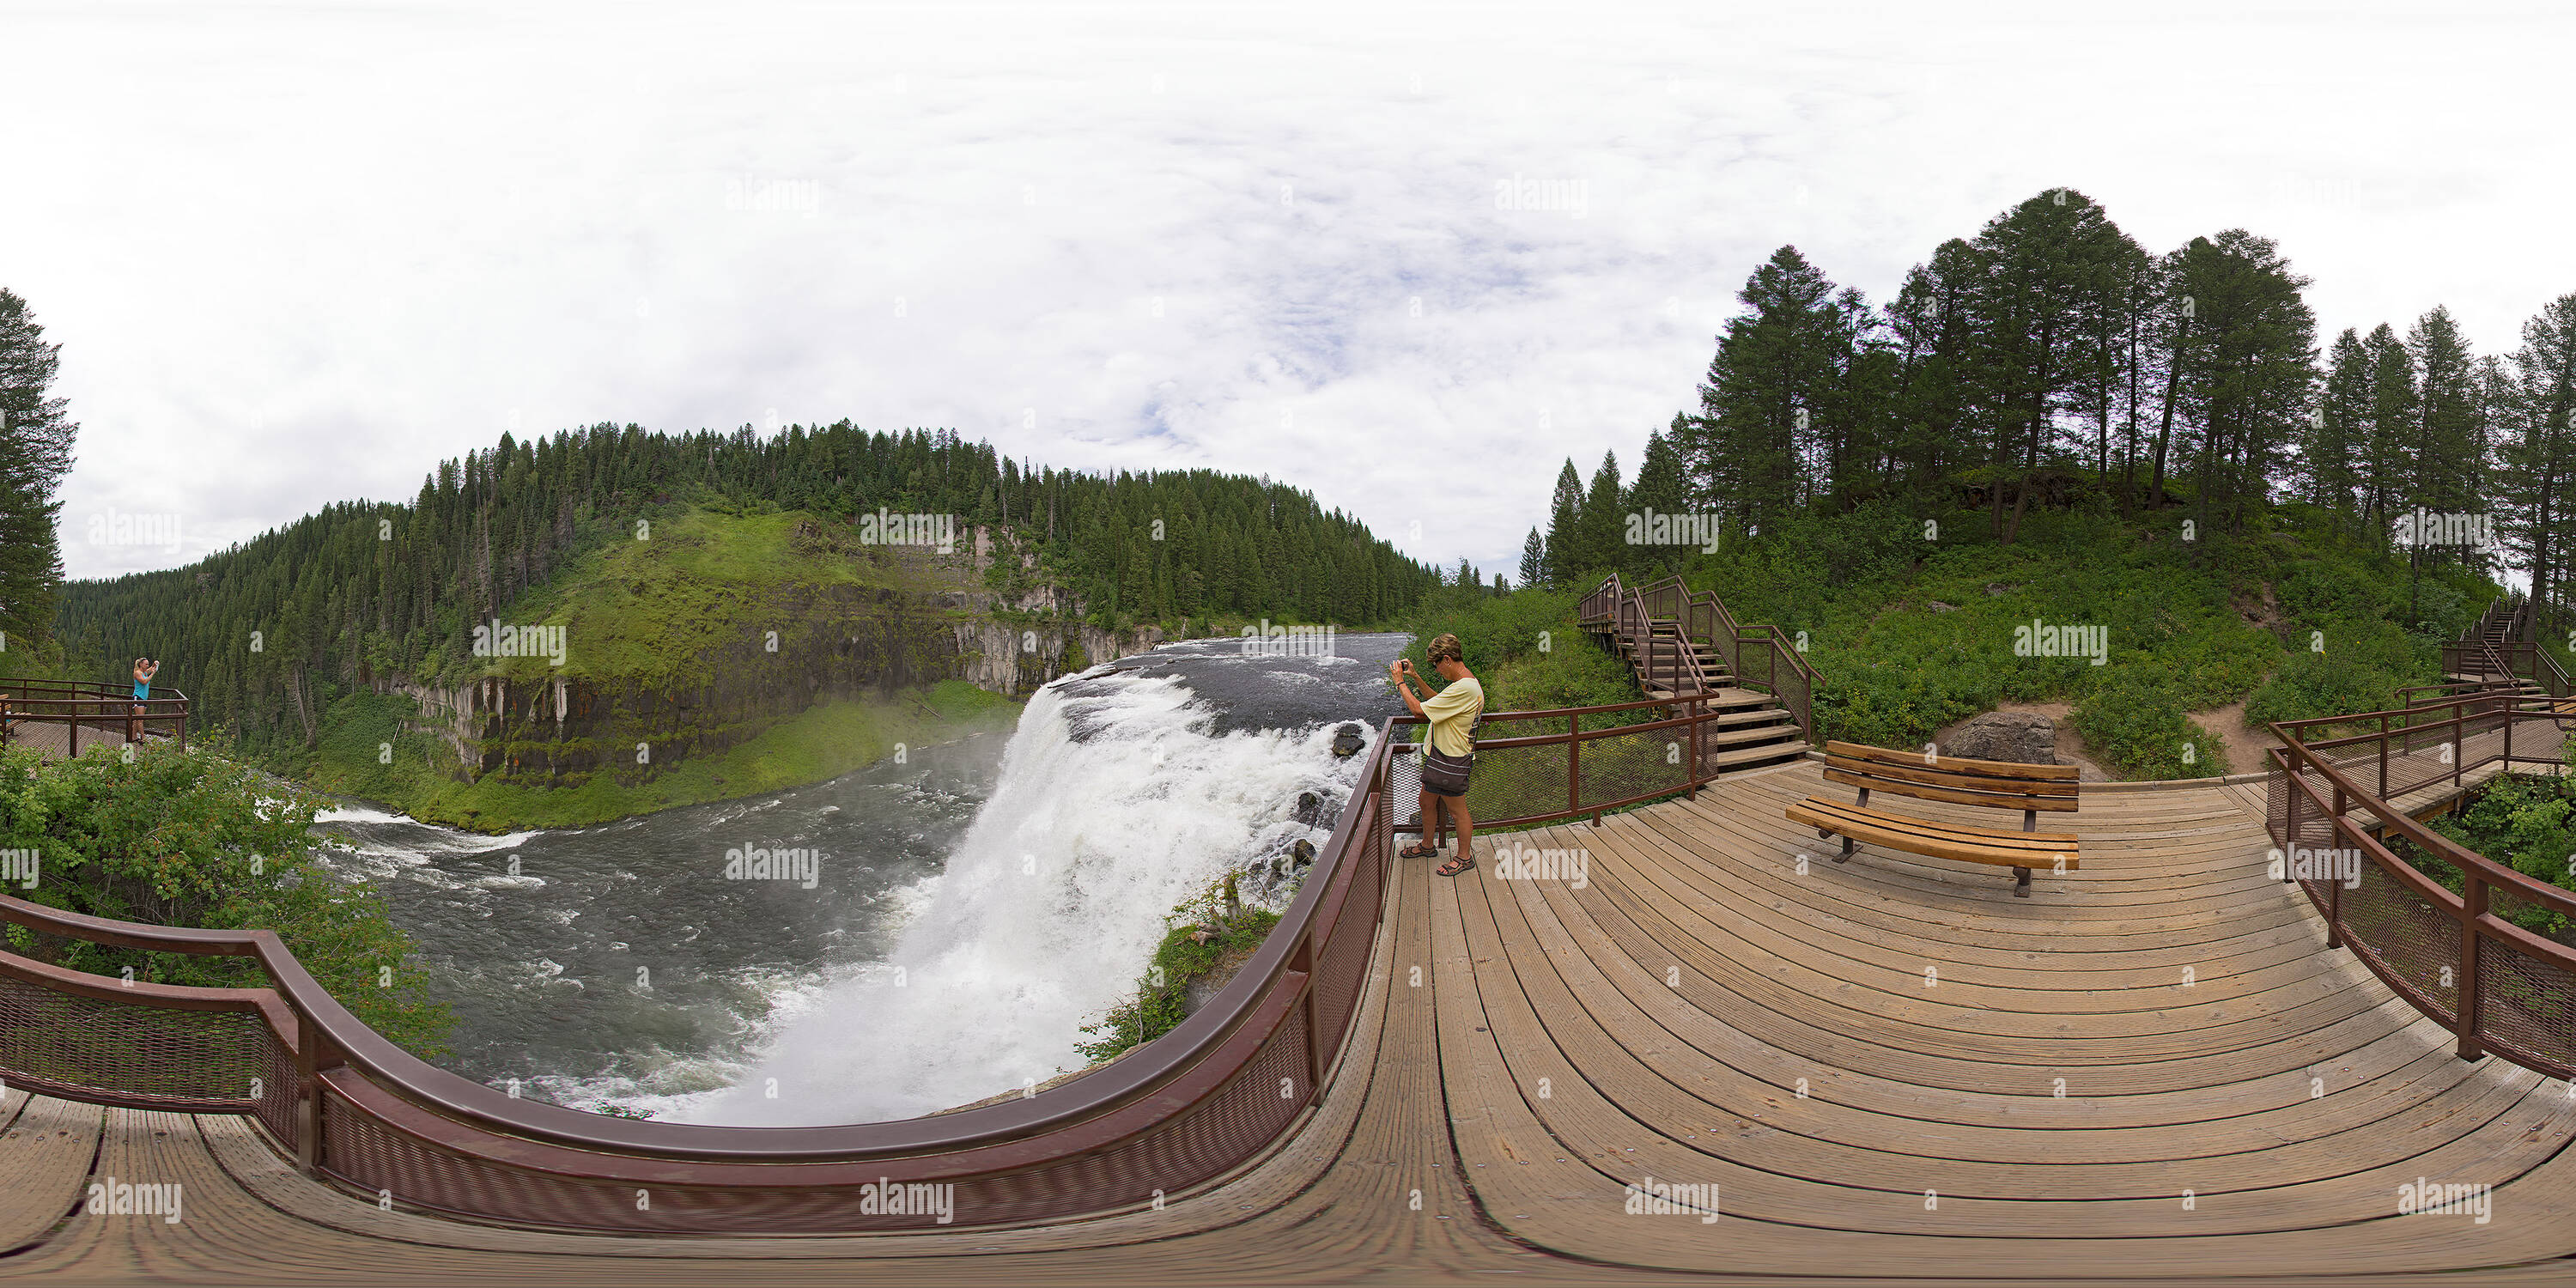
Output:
[[1602, 531], [1533, 559], [1661, 489], [2333, 455], [36, 438], [2539, 456], [1564, 516], [1778, 366]]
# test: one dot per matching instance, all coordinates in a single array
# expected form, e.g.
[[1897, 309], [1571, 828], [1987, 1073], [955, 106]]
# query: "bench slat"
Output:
[[1960, 795], [1954, 764], [2035, 850]]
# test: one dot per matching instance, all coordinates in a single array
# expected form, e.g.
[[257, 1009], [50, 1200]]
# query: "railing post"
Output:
[[1698, 767], [2383, 755], [2334, 897], [1573, 762], [2289, 814], [1304, 960], [2459, 744], [308, 1102], [2473, 906]]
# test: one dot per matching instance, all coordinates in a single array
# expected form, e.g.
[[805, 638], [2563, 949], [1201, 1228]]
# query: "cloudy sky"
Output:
[[297, 254]]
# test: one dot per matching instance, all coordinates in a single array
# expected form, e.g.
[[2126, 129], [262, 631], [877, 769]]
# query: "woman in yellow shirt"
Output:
[[1448, 752]]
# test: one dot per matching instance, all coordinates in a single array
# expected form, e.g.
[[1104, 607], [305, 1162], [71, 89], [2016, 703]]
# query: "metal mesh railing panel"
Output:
[[1342, 964], [132, 1050], [2526, 1002], [1625, 765], [2407, 935]]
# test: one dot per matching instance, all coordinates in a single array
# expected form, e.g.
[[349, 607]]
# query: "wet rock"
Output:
[[2017, 737], [1347, 741], [1310, 809], [1302, 855]]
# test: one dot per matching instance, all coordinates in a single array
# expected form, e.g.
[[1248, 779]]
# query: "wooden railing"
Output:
[[1761, 658], [2466, 959], [350, 1106], [75, 705]]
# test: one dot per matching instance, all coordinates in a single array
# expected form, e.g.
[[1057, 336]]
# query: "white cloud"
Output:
[[297, 255]]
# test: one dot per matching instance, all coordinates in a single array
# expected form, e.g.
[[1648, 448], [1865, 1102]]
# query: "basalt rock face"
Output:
[[2018, 737], [801, 646]]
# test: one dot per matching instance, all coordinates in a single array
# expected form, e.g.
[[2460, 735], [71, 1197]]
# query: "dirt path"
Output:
[[2245, 744]]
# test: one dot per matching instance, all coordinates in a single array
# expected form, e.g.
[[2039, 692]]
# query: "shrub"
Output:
[[1162, 996], [192, 839], [2135, 720]]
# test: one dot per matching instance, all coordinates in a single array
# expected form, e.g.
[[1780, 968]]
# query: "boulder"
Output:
[[1347, 741], [2017, 737], [1310, 809]]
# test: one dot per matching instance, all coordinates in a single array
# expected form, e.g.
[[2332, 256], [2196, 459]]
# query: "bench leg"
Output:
[[1845, 856], [2021, 883]]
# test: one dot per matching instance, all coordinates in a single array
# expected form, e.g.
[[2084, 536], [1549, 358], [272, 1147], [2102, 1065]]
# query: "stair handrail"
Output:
[[1786, 673]]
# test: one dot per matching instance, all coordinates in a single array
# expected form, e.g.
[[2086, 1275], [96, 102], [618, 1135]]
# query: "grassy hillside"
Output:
[[704, 580], [824, 742], [1914, 628], [700, 594]]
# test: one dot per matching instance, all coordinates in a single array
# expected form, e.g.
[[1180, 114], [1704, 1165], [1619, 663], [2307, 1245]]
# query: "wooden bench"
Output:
[[1993, 783]]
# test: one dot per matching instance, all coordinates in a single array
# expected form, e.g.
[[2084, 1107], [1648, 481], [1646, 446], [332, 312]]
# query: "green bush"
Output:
[[2136, 721], [1162, 995], [192, 839], [2522, 821]]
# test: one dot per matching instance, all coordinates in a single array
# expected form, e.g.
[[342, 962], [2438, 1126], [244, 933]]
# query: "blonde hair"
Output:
[[1447, 646]]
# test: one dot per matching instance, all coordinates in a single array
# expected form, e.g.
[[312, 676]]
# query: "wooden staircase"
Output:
[[2492, 654], [1679, 643]]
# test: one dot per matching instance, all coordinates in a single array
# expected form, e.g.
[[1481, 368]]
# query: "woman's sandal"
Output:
[[1457, 865], [1418, 851]]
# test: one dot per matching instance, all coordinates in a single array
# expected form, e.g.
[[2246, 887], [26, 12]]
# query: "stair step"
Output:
[[1748, 757], [1752, 735]]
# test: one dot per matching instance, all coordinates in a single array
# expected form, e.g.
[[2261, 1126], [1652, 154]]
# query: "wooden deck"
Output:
[[2239, 1102], [54, 740]]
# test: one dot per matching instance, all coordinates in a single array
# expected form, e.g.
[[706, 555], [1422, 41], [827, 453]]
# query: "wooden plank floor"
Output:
[[54, 740], [1865, 1060]]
